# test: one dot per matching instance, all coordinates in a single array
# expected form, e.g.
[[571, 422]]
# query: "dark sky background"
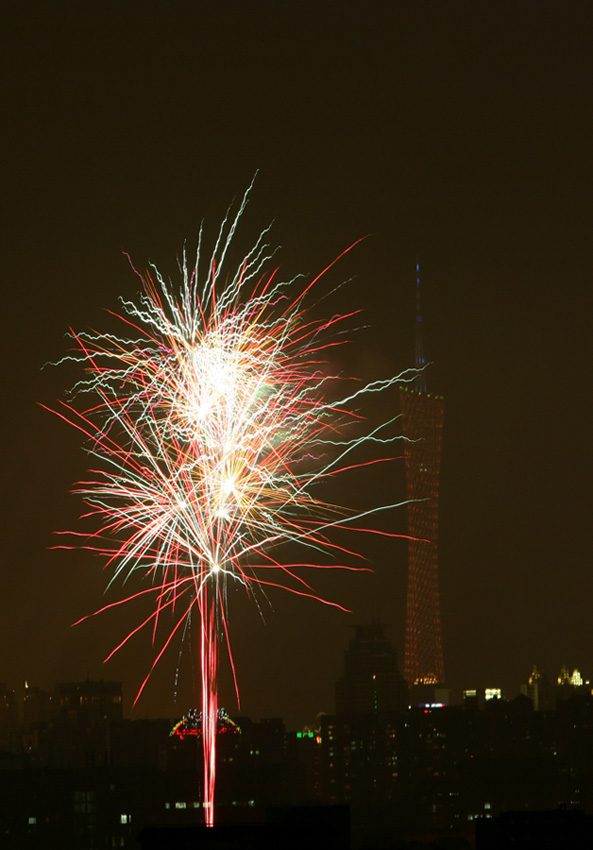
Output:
[[458, 132]]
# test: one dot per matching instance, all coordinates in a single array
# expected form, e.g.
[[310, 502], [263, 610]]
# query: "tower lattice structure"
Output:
[[422, 415]]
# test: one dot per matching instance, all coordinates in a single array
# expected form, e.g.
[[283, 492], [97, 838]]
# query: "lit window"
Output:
[[576, 679], [32, 821], [493, 693], [181, 805], [125, 818]]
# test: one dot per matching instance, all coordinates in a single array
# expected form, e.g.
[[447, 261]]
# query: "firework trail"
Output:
[[209, 423]]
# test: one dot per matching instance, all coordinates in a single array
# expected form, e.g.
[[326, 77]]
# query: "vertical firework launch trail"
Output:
[[209, 421]]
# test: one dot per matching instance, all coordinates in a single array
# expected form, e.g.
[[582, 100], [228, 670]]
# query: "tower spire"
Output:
[[420, 382]]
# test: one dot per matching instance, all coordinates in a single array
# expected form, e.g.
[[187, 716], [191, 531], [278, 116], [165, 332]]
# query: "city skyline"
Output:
[[461, 139], [409, 774], [358, 690]]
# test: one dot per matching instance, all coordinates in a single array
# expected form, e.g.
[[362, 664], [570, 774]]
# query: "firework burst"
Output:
[[210, 422]]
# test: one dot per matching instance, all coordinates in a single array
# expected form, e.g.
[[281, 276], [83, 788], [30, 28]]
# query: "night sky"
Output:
[[460, 133]]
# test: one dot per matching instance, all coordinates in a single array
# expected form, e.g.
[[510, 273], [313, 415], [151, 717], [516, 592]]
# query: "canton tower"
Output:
[[422, 418]]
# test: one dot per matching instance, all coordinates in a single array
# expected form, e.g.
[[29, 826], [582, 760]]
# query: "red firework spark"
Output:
[[210, 424]]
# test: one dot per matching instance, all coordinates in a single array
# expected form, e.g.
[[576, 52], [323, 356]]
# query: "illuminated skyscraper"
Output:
[[422, 415]]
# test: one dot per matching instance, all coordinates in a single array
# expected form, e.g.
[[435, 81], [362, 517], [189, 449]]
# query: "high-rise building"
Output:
[[90, 703], [8, 717], [422, 425], [371, 682], [39, 706]]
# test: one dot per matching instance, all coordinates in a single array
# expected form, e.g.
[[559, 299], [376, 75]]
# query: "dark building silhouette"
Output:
[[8, 717], [371, 682], [559, 829], [422, 415], [39, 706], [539, 690], [90, 702], [359, 759], [79, 731], [294, 828]]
